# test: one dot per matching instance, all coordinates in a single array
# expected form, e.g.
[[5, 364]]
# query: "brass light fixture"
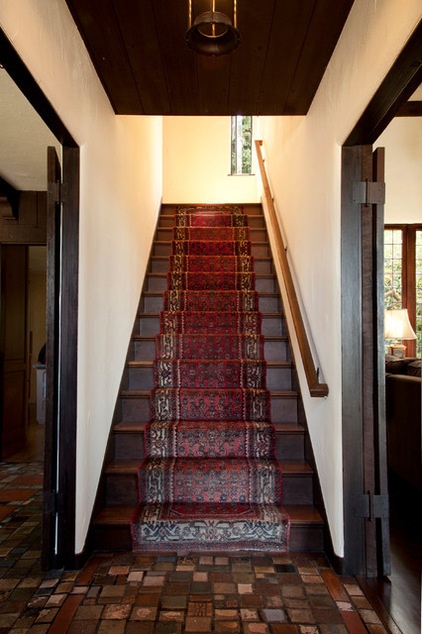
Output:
[[212, 32]]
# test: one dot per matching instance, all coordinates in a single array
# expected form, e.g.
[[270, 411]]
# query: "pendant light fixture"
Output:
[[212, 32]]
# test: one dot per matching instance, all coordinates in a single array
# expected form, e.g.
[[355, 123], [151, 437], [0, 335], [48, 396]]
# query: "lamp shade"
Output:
[[397, 325]]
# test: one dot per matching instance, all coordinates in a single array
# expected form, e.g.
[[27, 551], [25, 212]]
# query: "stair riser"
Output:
[[168, 221], [303, 539], [290, 446], [256, 235], [259, 249], [297, 489], [154, 303], [137, 409], [279, 379], [161, 265], [143, 378], [149, 325], [158, 283], [276, 351], [144, 350], [122, 489], [216, 488], [283, 409], [130, 446], [250, 209], [309, 539]]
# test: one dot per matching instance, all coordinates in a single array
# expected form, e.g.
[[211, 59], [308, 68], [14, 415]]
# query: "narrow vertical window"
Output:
[[241, 145]]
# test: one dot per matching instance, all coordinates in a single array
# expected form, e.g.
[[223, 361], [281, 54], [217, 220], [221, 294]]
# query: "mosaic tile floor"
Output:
[[165, 594]]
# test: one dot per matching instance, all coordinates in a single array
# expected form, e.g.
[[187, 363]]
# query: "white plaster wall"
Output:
[[402, 140], [196, 163], [303, 157], [121, 186]]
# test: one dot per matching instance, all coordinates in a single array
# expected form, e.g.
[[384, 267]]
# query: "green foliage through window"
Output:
[[418, 264], [393, 268], [241, 144]]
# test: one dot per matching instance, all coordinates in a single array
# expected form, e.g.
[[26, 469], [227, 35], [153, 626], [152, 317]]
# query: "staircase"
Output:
[[118, 494]]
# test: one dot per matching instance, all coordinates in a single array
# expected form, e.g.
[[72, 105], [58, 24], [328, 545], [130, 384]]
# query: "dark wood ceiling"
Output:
[[139, 52]]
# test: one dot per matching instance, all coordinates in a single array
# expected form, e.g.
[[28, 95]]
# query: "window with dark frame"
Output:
[[403, 276], [241, 145]]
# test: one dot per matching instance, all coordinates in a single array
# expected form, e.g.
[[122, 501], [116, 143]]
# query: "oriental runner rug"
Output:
[[210, 479]]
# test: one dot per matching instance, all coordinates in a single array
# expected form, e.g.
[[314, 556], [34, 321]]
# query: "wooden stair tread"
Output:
[[121, 515], [270, 364], [129, 428], [150, 293], [141, 314], [289, 428], [117, 515], [163, 274], [146, 393], [280, 428], [290, 467], [295, 467], [270, 338], [303, 514]]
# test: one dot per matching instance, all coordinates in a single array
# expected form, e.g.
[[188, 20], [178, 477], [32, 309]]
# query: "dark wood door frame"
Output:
[[399, 84], [59, 493]]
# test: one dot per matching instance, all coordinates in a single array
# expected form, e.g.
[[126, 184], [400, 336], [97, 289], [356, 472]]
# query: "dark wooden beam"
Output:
[[30, 227], [20, 74], [410, 109], [401, 81], [12, 196]]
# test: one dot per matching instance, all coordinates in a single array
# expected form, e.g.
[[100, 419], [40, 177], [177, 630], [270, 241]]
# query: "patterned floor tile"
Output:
[[127, 593]]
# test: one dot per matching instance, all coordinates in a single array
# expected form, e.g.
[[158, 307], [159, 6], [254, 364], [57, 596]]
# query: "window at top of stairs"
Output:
[[241, 145]]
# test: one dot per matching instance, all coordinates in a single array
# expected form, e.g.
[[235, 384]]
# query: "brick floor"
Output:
[[125, 593]]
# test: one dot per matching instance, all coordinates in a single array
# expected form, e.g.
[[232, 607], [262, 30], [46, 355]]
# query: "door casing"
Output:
[[399, 84], [58, 545]]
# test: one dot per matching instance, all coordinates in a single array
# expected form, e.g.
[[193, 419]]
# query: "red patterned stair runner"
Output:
[[210, 479]]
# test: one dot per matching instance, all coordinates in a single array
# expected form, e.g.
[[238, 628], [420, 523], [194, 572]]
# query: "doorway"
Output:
[[399, 85], [61, 237]]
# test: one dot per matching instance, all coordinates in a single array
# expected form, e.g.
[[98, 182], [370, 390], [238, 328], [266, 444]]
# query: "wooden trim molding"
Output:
[[410, 109], [397, 87], [15, 67], [316, 389], [12, 196]]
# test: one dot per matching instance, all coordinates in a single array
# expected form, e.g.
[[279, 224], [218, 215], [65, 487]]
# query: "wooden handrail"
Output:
[[316, 388]]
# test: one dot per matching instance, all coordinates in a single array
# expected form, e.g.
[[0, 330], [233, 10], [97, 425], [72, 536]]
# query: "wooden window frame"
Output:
[[234, 139], [408, 274]]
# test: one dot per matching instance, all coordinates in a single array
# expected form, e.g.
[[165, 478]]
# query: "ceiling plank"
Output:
[[288, 32], [213, 81], [98, 26], [137, 25], [139, 52], [171, 18], [249, 60], [327, 22]]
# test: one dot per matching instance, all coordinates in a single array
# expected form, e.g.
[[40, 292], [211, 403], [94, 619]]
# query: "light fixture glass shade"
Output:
[[397, 325]]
